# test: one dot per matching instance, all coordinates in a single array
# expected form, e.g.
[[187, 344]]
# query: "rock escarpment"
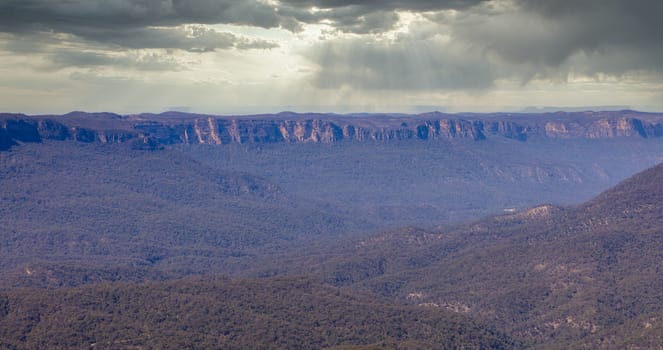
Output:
[[149, 131], [16, 128]]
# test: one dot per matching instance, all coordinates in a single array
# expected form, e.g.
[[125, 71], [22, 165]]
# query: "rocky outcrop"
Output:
[[225, 131], [603, 128], [508, 129], [53, 130], [211, 130], [6, 141], [152, 132], [24, 129]]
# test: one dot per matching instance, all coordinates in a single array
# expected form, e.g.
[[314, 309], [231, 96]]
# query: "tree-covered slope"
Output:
[[74, 214], [588, 275], [290, 313]]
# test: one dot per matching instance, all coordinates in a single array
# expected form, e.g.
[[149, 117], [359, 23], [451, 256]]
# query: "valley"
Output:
[[565, 277], [431, 230]]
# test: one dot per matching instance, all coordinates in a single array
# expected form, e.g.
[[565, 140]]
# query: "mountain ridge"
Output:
[[152, 131], [566, 277]]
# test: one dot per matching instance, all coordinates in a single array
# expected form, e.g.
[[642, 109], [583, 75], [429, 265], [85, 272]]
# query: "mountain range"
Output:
[[151, 131], [331, 231]]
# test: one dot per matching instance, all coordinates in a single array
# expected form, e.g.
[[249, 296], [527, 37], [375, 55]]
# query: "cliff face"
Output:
[[211, 130], [604, 128], [22, 128], [224, 131], [154, 131]]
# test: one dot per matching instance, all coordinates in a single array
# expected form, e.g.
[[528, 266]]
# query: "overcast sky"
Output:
[[249, 56]]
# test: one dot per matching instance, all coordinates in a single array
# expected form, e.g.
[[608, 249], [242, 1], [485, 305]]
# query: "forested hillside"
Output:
[[75, 214], [585, 276], [292, 313]]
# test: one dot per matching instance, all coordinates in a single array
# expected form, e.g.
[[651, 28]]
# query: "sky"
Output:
[[261, 56]]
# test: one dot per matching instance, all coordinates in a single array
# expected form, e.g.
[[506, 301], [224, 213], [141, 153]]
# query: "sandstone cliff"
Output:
[[149, 131]]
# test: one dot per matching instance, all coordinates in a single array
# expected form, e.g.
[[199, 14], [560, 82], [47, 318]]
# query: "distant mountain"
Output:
[[585, 276], [549, 109], [150, 131], [292, 313]]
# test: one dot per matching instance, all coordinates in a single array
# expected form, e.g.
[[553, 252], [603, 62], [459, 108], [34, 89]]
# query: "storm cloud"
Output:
[[194, 38], [62, 59], [517, 40], [81, 33], [74, 15], [420, 47], [552, 32], [362, 17], [141, 24]]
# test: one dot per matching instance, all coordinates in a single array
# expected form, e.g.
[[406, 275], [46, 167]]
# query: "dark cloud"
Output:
[[373, 22], [194, 38], [78, 17], [72, 15], [131, 23], [387, 5], [108, 33], [514, 40], [140, 24], [612, 36], [484, 40], [363, 17], [53, 57], [146, 62], [125, 49]]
